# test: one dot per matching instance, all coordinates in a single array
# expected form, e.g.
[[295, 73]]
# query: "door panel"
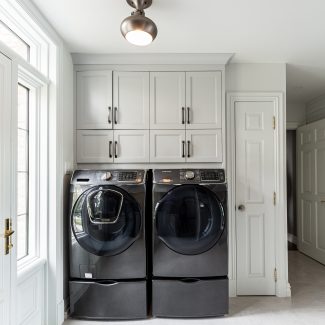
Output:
[[131, 146], [255, 185], [131, 100], [203, 146], [167, 100], [167, 146], [94, 146], [203, 100], [311, 189], [94, 100], [6, 279]]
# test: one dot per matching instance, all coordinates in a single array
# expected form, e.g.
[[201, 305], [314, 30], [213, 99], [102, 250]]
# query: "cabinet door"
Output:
[[94, 146], [203, 100], [167, 100], [131, 100], [94, 100], [167, 146], [131, 146], [203, 146]]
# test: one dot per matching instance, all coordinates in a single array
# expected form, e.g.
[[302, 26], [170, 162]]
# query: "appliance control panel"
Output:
[[189, 176], [84, 177]]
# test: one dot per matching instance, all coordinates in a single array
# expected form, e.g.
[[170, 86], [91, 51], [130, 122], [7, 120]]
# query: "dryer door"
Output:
[[189, 219], [106, 220]]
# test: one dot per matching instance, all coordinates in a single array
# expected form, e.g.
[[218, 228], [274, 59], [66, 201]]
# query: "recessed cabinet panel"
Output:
[[131, 100], [167, 146], [203, 146], [131, 146], [203, 100], [94, 146], [94, 100], [167, 100]]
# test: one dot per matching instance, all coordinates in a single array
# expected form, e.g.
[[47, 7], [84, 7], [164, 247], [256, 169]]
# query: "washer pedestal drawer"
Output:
[[108, 300], [190, 297]]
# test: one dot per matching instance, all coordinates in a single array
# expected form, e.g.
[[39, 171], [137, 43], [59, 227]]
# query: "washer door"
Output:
[[189, 219], [106, 220]]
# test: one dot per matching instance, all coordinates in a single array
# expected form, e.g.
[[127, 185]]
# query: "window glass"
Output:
[[13, 41], [23, 172]]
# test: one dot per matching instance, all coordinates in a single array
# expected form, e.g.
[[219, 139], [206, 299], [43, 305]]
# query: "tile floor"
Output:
[[306, 306]]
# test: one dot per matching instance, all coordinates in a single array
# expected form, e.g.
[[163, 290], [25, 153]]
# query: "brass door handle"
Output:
[[8, 233]]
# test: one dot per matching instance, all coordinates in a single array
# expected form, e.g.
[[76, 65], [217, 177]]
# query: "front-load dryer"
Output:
[[190, 251], [107, 245]]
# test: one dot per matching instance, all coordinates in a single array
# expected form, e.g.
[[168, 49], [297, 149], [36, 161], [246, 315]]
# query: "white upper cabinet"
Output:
[[203, 146], [131, 146], [94, 100], [131, 100], [203, 100], [167, 100]]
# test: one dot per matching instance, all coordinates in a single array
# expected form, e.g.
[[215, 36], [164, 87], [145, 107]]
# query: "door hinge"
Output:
[[275, 274], [274, 198], [274, 122]]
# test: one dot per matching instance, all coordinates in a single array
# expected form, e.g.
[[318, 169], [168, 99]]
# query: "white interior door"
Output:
[[311, 189], [255, 186], [7, 284], [131, 100]]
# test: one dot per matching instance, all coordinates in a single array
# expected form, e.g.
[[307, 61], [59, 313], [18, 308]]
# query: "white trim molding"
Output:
[[153, 58], [281, 262], [292, 125]]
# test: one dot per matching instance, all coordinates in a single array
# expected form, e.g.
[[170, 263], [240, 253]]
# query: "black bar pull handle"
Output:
[[188, 149], [183, 115], [110, 149], [183, 149], [109, 120], [115, 149], [115, 115], [188, 116]]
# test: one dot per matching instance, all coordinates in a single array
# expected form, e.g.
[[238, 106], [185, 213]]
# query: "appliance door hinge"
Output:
[[275, 274], [274, 198], [274, 123]]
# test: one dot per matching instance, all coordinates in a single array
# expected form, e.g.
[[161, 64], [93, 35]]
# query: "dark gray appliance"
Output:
[[107, 245], [190, 251]]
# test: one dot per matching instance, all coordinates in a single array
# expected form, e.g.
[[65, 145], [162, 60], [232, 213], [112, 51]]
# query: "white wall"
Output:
[[315, 109], [256, 77], [296, 114]]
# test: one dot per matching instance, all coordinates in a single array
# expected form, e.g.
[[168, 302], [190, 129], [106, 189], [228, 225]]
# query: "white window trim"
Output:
[[13, 15], [37, 164]]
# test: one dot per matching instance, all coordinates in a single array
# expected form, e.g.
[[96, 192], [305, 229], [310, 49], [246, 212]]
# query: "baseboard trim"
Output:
[[60, 312], [232, 288]]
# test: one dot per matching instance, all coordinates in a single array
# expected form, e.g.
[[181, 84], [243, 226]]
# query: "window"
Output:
[[23, 172], [13, 41]]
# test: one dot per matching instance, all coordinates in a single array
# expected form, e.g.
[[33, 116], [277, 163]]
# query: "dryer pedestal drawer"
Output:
[[108, 300], [190, 298]]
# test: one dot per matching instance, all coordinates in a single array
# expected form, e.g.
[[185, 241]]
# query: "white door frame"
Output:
[[281, 250]]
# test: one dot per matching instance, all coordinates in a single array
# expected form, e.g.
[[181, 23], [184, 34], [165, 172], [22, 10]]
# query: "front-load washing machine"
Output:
[[190, 251], [107, 245]]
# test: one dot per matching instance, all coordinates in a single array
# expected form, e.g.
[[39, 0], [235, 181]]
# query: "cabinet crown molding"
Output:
[[153, 58]]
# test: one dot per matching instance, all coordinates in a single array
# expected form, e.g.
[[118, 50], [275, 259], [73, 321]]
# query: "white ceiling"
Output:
[[290, 31]]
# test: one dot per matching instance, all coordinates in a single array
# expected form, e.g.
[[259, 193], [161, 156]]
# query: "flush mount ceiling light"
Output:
[[137, 28]]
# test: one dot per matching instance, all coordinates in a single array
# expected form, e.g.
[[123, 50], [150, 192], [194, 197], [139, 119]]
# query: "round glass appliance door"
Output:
[[189, 219], [106, 220]]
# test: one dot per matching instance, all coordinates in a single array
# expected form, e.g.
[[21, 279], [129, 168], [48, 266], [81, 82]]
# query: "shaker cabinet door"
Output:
[[167, 146], [94, 100], [94, 146], [203, 146], [131, 100], [167, 100], [203, 100], [131, 146]]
